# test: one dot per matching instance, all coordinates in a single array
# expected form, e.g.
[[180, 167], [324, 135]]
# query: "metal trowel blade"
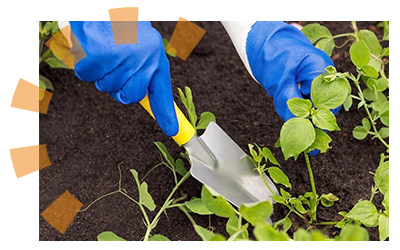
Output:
[[221, 164]]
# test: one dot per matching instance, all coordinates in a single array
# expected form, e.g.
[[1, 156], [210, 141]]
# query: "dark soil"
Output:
[[88, 134]]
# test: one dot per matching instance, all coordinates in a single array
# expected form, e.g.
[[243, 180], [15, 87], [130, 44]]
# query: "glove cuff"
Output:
[[238, 32]]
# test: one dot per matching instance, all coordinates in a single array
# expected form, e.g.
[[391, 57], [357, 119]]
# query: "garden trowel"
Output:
[[219, 162]]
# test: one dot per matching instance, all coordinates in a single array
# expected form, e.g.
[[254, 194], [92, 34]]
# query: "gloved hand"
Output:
[[280, 58], [129, 71]]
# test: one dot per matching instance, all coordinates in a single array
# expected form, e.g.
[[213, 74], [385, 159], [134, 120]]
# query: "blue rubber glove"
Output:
[[129, 71], [280, 58]]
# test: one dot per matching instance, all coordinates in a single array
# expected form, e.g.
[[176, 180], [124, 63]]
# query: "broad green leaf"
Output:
[[369, 71], [283, 224], [366, 124], [353, 233], [179, 167], [278, 199], [109, 236], [315, 32], [266, 232], [324, 119], [158, 237], [326, 45], [347, 103], [205, 119], [381, 177], [51, 27], [47, 83], [144, 196], [278, 176], [299, 107], [296, 135], [165, 153], [267, 154], [329, 95], [369, 95], [384, 132], [382, 85], [359, 54], [207, 235], [298, 205], [216, 204], [321, 141], [197, 206], [370, 40], [383, 227], [384, 113], [56, 63], [359, 133], [365, 212], [327, 200], [257, 212]]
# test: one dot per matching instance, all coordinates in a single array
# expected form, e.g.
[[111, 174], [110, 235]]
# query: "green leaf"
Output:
[[267, 154], [197, 206], [285, 195], [370, 40], [232, 226], [347, 103], [383, 227], [51, 27], [158, 237], [369, 95], [315, 32], [266, 232], [187, 100], [385, 201], [179, 167], [324, 119], [353, 233], [327, 200], [329, 95], [321, 141], [109, 236], [359, 133], [207, 235], [381, 177], [293, 142], [384, 113], [359, 54], [384, 132], [326, 45], [382, 84], [283, 224], [216, 203], [278, 176], [301, 235], [164, 151], [299, 107], [257, 212], [369, 71], [42, 91], [365, 212], [366, 124], [56, 63], [298, 205], [278, 199], [205, 119], [144, 196], [47, 83]]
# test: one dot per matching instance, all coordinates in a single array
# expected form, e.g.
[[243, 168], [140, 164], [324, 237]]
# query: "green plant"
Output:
[[369, 59], [170, 51], [50, 28], [187, 100]]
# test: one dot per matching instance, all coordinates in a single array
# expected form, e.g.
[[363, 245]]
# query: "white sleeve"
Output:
[[238, 31], [62, 24]]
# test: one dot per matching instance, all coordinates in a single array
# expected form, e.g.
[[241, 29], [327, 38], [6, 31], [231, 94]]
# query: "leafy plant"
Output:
[[369, 59], [187, 100], [50, 28]]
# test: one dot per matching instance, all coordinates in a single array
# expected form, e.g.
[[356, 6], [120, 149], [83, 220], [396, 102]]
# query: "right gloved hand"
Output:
[[130, 71]]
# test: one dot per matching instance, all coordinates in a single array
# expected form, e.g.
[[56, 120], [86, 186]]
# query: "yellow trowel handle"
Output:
[[186, 130]]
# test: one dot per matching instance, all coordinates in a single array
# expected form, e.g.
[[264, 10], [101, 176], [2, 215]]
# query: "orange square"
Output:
[[62, 211]]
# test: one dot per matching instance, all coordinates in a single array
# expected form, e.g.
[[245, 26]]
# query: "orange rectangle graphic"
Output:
[[61, 45], [62, 211], [185, 38], [27, 160], [124, 23]]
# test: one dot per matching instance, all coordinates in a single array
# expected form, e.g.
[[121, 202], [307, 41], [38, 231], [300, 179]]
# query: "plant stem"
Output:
[[265, 182], [165, 206], [101, 197], [327, 223], [360, 94], [313, 201]]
